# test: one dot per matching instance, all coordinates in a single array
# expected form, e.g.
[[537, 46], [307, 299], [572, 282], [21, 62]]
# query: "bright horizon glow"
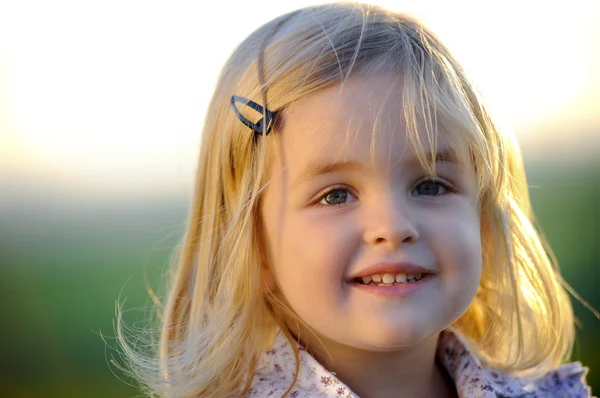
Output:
[[115, 92]]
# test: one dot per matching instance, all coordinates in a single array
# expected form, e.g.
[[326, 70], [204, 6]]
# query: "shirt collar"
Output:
[[276, 368]]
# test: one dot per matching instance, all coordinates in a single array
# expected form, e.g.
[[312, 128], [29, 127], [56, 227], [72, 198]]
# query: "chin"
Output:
[[393, 337]]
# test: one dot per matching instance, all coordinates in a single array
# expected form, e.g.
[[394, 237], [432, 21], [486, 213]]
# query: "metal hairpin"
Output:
[[257, 127]]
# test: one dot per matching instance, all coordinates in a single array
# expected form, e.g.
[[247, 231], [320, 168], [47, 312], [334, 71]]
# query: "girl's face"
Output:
[[343, 204]]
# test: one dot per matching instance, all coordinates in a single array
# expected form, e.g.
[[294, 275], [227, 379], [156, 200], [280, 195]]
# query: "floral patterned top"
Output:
[[473, 379]]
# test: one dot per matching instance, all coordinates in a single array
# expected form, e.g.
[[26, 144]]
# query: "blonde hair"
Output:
[[218, 317]]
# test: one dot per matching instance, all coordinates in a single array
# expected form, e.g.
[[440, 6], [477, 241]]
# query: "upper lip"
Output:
[[386, 267]]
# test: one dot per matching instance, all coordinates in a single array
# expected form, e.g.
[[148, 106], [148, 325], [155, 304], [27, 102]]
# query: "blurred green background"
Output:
[[65, 260]]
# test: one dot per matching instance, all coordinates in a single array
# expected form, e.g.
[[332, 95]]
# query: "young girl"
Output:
[[360, 228]]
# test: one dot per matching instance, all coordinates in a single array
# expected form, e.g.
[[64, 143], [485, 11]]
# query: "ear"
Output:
[[267, 279], [485, 211], [488, 224]]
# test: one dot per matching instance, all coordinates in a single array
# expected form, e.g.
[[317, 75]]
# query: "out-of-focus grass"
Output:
[[63, 266], [566, 201]]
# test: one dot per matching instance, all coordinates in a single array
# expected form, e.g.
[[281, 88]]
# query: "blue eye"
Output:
[[430, 188], [335, 197]]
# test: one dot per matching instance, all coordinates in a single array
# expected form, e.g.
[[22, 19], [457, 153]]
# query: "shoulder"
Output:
[[566, 381], [475, 379], [276, 371]]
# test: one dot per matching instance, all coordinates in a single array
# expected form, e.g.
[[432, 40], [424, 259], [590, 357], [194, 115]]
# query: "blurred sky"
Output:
[[110, 95]]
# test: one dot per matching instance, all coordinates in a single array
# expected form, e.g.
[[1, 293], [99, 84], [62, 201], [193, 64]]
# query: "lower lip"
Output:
[[398, 290]]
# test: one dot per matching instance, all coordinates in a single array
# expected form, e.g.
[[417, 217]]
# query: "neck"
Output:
[[410, 372]]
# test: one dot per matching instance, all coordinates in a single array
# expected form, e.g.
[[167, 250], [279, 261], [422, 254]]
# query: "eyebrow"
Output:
[[318, 169]]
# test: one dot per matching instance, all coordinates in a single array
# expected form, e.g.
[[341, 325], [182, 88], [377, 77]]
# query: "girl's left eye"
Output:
[[430, 188]]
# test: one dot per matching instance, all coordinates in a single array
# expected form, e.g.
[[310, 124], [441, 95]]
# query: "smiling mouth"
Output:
[[389, 279]]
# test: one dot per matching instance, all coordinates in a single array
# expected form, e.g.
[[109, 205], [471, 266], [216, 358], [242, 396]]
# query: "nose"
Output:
[[390, 223]]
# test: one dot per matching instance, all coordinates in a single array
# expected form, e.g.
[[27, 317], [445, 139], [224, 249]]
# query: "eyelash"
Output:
[[448, 190]]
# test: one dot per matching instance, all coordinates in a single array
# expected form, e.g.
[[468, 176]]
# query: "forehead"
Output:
[[361, 122]]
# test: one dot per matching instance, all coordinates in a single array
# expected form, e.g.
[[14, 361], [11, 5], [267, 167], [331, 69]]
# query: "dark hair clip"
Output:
[[257, 127]]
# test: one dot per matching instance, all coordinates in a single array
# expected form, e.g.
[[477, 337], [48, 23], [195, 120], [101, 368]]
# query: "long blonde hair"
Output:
[[218, 318]]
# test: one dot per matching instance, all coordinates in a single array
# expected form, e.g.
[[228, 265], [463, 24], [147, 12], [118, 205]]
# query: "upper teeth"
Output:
[[390, 278]]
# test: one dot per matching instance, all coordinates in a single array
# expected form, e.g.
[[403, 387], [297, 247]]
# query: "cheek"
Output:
[[456, 242], [309, 249], [466, 240], [310, 264], [322, 244]]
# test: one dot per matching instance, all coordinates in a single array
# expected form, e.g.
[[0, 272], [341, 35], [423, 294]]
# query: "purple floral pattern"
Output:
[[473, 379]]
